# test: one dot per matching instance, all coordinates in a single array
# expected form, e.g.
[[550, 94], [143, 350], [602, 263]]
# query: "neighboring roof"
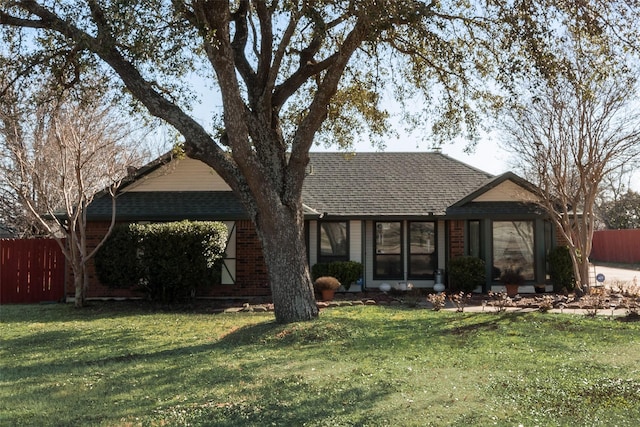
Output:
[[387, 184]]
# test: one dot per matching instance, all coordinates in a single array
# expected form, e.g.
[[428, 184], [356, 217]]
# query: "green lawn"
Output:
[[117, 365]]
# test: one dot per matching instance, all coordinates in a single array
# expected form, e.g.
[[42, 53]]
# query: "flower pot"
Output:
[[327, 294], [512, 290], [540, 289]]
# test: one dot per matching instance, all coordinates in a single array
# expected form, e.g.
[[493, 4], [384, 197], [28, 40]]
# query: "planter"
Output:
[[540, 289], [327, 294], [512, 290]]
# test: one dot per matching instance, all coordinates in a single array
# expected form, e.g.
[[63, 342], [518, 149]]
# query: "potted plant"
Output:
[[327, 286], [512, 278]]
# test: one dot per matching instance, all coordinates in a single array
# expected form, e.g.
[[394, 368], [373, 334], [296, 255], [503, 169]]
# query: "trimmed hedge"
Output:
[[346, 272], [116, 261], [466, 273], [169, 261]]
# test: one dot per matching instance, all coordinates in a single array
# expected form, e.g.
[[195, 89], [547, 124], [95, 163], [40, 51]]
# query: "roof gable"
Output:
[[179, 174], [507, 187]]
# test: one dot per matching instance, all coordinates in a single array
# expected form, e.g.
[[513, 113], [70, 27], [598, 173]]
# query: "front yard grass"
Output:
[[116, 364]]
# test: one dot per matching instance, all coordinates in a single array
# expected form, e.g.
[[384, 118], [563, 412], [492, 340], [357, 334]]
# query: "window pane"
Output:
[[474, 238], [422, 238], [388, 238], [389, 266], [333, 239], [513, 247], [422, 265]]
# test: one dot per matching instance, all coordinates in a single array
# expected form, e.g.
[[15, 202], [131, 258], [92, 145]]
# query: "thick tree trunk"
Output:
[[284, 251]]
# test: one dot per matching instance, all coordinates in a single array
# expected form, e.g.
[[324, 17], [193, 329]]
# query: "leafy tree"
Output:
[[622, 213], [577, 127], [291, 72]]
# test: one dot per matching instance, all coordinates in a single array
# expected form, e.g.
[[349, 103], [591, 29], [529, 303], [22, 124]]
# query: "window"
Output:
[[513, 247], [334, 241], [422, 244], [388, 250], [474, 239]]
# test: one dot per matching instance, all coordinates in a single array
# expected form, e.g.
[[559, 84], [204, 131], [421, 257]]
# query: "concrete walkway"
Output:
[[612, 274]]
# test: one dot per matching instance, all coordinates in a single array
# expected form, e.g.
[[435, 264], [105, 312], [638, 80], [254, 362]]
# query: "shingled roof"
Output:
[[387, 184], [337, 184]]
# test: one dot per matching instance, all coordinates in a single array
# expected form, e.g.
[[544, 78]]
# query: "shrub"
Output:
[[327, 283], [561, 269], [346, 272], [179, 257], [168, 260], [116, 261], [466, 273], [437, 300]]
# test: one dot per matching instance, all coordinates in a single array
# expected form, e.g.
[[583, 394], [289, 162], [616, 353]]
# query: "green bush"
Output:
[[116, 261], [561, 269], [346, 272], [168, 260], [466, 273]]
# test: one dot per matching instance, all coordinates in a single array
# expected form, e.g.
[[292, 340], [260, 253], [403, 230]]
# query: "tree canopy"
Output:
[[291, 72]]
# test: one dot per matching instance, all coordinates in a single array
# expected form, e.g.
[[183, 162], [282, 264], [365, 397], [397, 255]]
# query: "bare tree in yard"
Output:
[[55, 157], [578, 128], [291, 72]]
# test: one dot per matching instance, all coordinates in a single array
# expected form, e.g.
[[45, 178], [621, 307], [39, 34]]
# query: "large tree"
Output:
[[573, 130], [288, 71]]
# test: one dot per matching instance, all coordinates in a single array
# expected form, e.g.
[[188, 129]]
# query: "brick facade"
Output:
[[456, 238]]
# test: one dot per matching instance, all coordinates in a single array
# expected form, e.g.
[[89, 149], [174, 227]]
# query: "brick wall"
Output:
[[456, 238]]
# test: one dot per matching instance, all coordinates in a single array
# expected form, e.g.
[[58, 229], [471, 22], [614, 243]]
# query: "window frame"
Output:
[[377, 255], [433, 255], [331, 258]]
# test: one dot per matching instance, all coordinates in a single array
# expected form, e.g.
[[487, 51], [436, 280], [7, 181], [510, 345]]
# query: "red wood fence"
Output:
[[616, 246], [31, 271]]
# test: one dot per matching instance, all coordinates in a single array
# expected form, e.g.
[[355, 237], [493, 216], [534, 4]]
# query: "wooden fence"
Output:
[[31, 271], [616, 246]]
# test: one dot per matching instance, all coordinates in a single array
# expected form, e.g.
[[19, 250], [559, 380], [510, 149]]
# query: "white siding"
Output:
[[229, 268], [355, 241], [506, 191], [181, 175]]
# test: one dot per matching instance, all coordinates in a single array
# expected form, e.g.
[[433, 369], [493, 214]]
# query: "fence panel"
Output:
[[616, 246], [31, 271]]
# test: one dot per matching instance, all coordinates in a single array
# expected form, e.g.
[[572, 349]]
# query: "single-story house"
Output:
[[402, 215]]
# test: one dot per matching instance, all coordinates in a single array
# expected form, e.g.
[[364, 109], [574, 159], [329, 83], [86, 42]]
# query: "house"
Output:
[[402, 215]]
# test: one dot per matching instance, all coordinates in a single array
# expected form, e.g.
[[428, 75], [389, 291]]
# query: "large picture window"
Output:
[[513, 247], [334, 241], [388, 250], [422, 250]]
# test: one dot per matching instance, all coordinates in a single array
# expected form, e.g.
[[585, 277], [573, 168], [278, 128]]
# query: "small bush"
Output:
[[346, 272], [326, 283], [437, 300], [466, 273], [561, 269]]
